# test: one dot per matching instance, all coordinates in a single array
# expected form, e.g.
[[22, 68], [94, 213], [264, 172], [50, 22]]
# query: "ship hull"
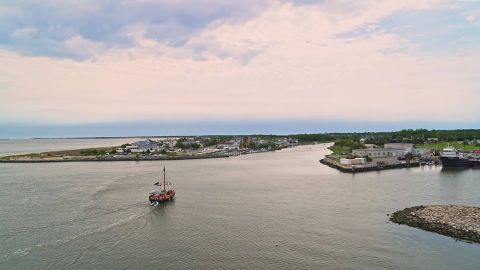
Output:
[[455, 162], [160, 198], [476, 163]]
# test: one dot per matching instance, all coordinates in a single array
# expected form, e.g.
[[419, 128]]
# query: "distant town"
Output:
[[172, 146]]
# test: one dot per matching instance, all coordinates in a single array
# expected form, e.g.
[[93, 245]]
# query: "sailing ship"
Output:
[[161, 193]]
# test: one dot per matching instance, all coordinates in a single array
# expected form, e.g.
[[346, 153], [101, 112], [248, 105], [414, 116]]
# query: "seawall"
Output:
[[365, 167]]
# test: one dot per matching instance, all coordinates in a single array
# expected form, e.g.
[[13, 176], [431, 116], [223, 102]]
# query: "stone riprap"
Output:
[[460, 222]]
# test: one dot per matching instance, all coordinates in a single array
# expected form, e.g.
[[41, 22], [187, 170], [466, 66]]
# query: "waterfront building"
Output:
[[144, 146], [378, 152], [352, 161]]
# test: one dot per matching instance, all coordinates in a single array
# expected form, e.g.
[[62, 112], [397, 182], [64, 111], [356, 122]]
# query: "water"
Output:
[[276, 210]]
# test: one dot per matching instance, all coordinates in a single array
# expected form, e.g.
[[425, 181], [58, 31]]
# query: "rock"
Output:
[[460, 222]]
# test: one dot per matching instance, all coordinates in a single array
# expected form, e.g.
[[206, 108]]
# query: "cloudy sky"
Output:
[[88, 62]]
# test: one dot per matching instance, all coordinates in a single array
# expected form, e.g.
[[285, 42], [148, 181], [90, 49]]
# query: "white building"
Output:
[[378, 152], [352, 161]]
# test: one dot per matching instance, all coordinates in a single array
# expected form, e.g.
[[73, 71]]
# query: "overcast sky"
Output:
[[102, 61]]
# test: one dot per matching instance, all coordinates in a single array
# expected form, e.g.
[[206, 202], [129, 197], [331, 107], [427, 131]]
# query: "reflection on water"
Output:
[[455, 171], [229, 214]]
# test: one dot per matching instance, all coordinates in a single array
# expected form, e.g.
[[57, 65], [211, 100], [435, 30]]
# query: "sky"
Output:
[[110, 67]]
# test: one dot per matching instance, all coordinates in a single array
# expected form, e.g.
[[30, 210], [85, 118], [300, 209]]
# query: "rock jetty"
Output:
[[459, 222]]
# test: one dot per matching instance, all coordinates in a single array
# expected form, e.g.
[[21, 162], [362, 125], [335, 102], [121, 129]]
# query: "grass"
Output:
[[339, 150], [439, 146]]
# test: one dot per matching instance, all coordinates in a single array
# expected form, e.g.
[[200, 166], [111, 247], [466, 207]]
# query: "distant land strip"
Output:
[[126, 158]]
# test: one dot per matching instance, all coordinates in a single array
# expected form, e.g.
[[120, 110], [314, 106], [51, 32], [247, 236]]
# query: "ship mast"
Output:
[[164, 179]]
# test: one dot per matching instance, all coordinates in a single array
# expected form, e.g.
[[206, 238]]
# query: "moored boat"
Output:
[[452, 158], [162, 193]]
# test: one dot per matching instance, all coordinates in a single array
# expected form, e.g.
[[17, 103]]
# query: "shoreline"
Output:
[[147, 150], [456, 221], [105, 159], [127, 157]]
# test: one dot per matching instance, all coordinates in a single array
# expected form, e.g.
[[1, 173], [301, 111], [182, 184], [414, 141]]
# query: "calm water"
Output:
[[229, 214]]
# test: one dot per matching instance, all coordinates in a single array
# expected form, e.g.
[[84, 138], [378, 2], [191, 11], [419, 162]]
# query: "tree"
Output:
[[408, 157]]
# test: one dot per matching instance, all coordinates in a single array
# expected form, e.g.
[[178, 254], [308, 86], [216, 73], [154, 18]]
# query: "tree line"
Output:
[[406, 135]]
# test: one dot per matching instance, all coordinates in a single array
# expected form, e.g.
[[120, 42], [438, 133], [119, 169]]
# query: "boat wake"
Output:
[[21, 252]]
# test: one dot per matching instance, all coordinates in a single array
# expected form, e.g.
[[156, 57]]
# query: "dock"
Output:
[[367, 167]]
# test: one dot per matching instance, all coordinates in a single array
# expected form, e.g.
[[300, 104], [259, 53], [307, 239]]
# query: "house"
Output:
[[145, 146], [169, 142], [235, 145]]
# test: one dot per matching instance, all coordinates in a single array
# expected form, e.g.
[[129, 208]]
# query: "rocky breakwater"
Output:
[[460, 222]]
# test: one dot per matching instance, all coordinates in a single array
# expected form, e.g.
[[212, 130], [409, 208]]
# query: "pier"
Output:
[[368, 166]]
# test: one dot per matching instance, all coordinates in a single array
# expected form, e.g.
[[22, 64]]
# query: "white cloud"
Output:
[[24, 33], [83, 47], [285, 63], [471, 18]]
